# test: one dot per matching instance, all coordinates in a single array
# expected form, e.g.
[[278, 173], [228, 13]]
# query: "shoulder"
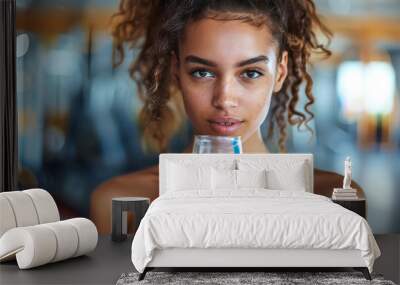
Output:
[[142, 182], [150, 173]]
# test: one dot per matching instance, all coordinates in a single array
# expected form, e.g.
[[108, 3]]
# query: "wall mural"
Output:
[[78, 116]]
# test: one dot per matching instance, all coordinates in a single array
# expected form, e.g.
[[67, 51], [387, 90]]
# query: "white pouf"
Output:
[[7, 220], [23, 208], [40, 244], [31, 230], [45, 205]]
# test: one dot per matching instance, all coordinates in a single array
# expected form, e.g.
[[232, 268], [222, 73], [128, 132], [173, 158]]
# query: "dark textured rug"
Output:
[[225, 278]]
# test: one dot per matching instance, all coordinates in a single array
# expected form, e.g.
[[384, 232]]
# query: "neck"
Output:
[[253, 144]]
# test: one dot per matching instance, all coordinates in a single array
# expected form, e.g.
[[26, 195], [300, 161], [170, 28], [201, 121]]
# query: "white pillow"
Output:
[[228, 179], [281, 174], [251, 178], [223, 179], [292, 180], [182, 177]]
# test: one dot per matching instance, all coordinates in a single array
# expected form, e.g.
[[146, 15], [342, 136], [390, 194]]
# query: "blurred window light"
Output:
[[22, 44], [366, 88], [340, 6], [63, 62]]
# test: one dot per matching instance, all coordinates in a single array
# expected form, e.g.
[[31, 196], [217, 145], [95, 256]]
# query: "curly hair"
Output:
[[155, 26]]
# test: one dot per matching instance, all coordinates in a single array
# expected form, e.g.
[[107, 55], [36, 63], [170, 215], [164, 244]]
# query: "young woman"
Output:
[[229, 62]]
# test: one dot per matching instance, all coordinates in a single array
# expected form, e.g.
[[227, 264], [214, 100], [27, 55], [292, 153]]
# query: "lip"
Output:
[[217, 125]]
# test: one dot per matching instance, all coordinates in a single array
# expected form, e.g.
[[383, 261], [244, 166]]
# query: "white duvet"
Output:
[[252, 218]]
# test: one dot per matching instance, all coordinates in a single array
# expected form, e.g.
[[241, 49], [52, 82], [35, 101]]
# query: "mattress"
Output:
[[250, 219]]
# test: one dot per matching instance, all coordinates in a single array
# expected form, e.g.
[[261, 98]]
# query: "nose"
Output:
[[225, 94]]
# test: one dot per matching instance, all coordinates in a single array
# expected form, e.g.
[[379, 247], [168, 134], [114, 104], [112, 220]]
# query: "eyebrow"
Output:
[[196, 59]]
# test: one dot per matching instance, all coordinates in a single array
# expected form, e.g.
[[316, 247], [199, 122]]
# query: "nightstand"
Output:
[[120, 206], [358, 206]]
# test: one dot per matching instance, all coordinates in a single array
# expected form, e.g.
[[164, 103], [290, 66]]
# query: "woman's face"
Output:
[[227, 71]]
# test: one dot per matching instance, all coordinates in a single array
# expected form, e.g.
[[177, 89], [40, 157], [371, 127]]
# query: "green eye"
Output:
[[252, 74], [201, 73]]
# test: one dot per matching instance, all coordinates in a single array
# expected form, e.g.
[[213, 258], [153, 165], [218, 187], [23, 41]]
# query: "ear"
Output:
[[282, 71], [175, 69]]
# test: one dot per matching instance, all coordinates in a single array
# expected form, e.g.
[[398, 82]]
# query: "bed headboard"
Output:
[[222, 158]]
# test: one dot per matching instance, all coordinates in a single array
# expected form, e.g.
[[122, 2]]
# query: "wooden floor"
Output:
[[389, 262]]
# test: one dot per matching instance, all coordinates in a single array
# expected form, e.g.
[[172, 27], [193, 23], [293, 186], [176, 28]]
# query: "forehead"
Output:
[[227, 41]]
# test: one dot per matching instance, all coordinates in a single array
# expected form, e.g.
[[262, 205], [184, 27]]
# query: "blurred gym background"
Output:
[[77, 116]]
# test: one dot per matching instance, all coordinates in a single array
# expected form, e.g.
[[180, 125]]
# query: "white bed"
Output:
[[202, 220]]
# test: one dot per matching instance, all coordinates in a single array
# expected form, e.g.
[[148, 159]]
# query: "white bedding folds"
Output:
[[251, 218]]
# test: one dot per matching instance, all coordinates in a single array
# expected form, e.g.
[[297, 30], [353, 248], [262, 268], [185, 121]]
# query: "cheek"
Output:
[[257, 107], [196, 102]]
